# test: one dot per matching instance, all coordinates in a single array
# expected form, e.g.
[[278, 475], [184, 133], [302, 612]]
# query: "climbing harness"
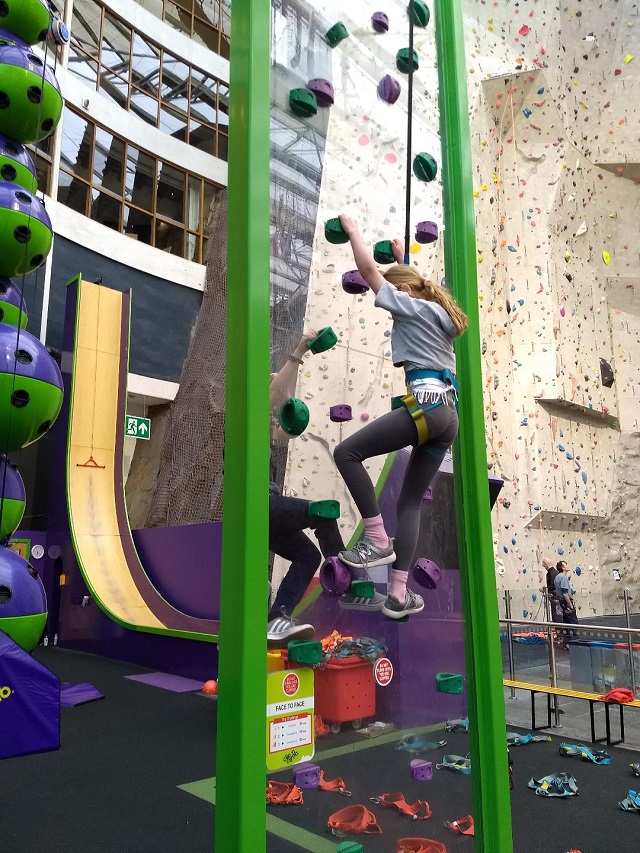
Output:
[[283, 794], [362, 647], [456, 763], [514, 739], [353, 819], [420, 810], [555, 785], [336, 784], [597, 756], [420, 845], [412, 743], [464, 826], [631, 803], [321, 728], [635, 768], [461, 725], [429, 399]]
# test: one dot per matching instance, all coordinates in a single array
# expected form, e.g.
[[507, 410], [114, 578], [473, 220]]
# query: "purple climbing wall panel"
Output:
[[29, 703]]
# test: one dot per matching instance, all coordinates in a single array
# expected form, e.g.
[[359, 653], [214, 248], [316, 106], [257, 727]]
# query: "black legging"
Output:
[[288, 519], [386, 434]]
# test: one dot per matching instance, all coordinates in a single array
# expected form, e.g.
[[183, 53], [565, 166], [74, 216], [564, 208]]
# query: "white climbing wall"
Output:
[[553, 95]]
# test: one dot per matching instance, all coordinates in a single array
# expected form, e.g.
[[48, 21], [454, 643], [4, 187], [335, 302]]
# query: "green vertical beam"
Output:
[[240, 820], [491, 798]]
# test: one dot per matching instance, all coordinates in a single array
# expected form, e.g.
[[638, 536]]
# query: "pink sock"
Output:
[[374, 529], [398, 584]]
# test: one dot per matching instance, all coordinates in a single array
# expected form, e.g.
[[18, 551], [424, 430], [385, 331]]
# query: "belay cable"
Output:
[[407, 203]]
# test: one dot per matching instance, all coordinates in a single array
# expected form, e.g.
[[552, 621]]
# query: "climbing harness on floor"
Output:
[[412, 743], [631, 803], [597, 756], [514, 739], [463, 826], [420, 810], [362, 647], [456, 763], [420, 845], [283, 794], [336, 784], [461, 725], [353, 819], [635, 769], [555, 785]]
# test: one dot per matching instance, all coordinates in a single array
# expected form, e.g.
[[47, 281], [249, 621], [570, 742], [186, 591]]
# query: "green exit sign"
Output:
[[137, 427]]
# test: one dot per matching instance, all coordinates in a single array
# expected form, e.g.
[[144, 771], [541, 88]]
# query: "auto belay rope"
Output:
[[420, 810], [463, 826], [420, 845], [555, 785], [283, 794], [353, 819], [597, 756]]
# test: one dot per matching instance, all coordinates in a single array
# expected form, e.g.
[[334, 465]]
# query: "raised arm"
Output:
[[283, 383], [362, 256]]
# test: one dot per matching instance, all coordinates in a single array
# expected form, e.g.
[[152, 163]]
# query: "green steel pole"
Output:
[[491, 799], [240, 819]]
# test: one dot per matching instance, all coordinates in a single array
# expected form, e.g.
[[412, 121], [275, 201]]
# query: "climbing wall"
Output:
[[553, 90], [554, 144], [363, 176]]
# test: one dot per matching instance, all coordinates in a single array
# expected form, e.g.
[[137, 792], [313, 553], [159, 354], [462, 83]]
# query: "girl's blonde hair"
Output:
[[406, 278]]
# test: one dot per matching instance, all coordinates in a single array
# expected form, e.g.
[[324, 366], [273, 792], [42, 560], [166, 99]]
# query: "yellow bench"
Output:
[[573, 694]]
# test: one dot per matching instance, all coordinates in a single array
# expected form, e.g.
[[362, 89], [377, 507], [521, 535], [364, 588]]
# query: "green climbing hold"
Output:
[[303, 102], [383, 252], [449, 682], [350, 847], [421, 14], [362, 589], [294, 416], [425, 167], [397, 402], [324, 509], [326, 339], [405, 59], [334, 232], [336, 34], [28, 19]]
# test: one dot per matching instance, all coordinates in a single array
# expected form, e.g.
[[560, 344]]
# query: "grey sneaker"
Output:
[[396, 609], [366, 554], [284, 628], [349, 601]]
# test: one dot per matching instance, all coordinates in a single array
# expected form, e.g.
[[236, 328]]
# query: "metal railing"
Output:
[[576, 630]]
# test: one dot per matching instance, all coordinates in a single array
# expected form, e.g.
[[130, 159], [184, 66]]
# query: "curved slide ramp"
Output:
[[100, 530]]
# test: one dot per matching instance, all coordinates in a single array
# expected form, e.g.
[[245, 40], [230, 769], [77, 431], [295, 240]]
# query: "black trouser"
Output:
[[390, 432], [288, 519]]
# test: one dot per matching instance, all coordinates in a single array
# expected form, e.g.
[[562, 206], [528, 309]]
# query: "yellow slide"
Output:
[[102, 538]]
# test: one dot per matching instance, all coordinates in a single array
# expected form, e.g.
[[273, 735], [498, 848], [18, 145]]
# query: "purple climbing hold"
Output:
[[380, 22], [335, 577], [389, 89], [340, 413], [426, 573], [323, 90], [354, 283], [421, 771], [426, 232]]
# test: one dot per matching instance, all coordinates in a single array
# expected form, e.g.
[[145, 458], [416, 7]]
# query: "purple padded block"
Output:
[[307, 776], [389, 89], [166, 681], [78, 694], [29, 703], [421, 771]]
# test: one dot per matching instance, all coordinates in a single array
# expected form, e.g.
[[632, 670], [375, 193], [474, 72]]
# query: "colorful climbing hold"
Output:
[[336, 34], [425, 167]]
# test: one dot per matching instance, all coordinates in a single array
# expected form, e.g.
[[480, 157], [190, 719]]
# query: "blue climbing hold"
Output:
[[578, 571]]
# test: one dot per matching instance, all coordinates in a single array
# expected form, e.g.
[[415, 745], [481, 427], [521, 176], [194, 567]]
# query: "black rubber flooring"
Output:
[[112, 786]]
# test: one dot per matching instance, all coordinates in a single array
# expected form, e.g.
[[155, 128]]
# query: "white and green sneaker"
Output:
[[349, 601]]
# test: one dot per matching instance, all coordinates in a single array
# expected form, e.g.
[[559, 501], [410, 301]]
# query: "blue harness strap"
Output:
[[597, 756], [555, 785], [446, 376], [631, 803], [456, 763]]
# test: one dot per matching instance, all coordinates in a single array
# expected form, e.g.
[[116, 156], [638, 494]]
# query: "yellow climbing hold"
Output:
[[476, 193], [606, 257], [484, 188], [414, 248], [583, 105], [628, 59], [567, 256]]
